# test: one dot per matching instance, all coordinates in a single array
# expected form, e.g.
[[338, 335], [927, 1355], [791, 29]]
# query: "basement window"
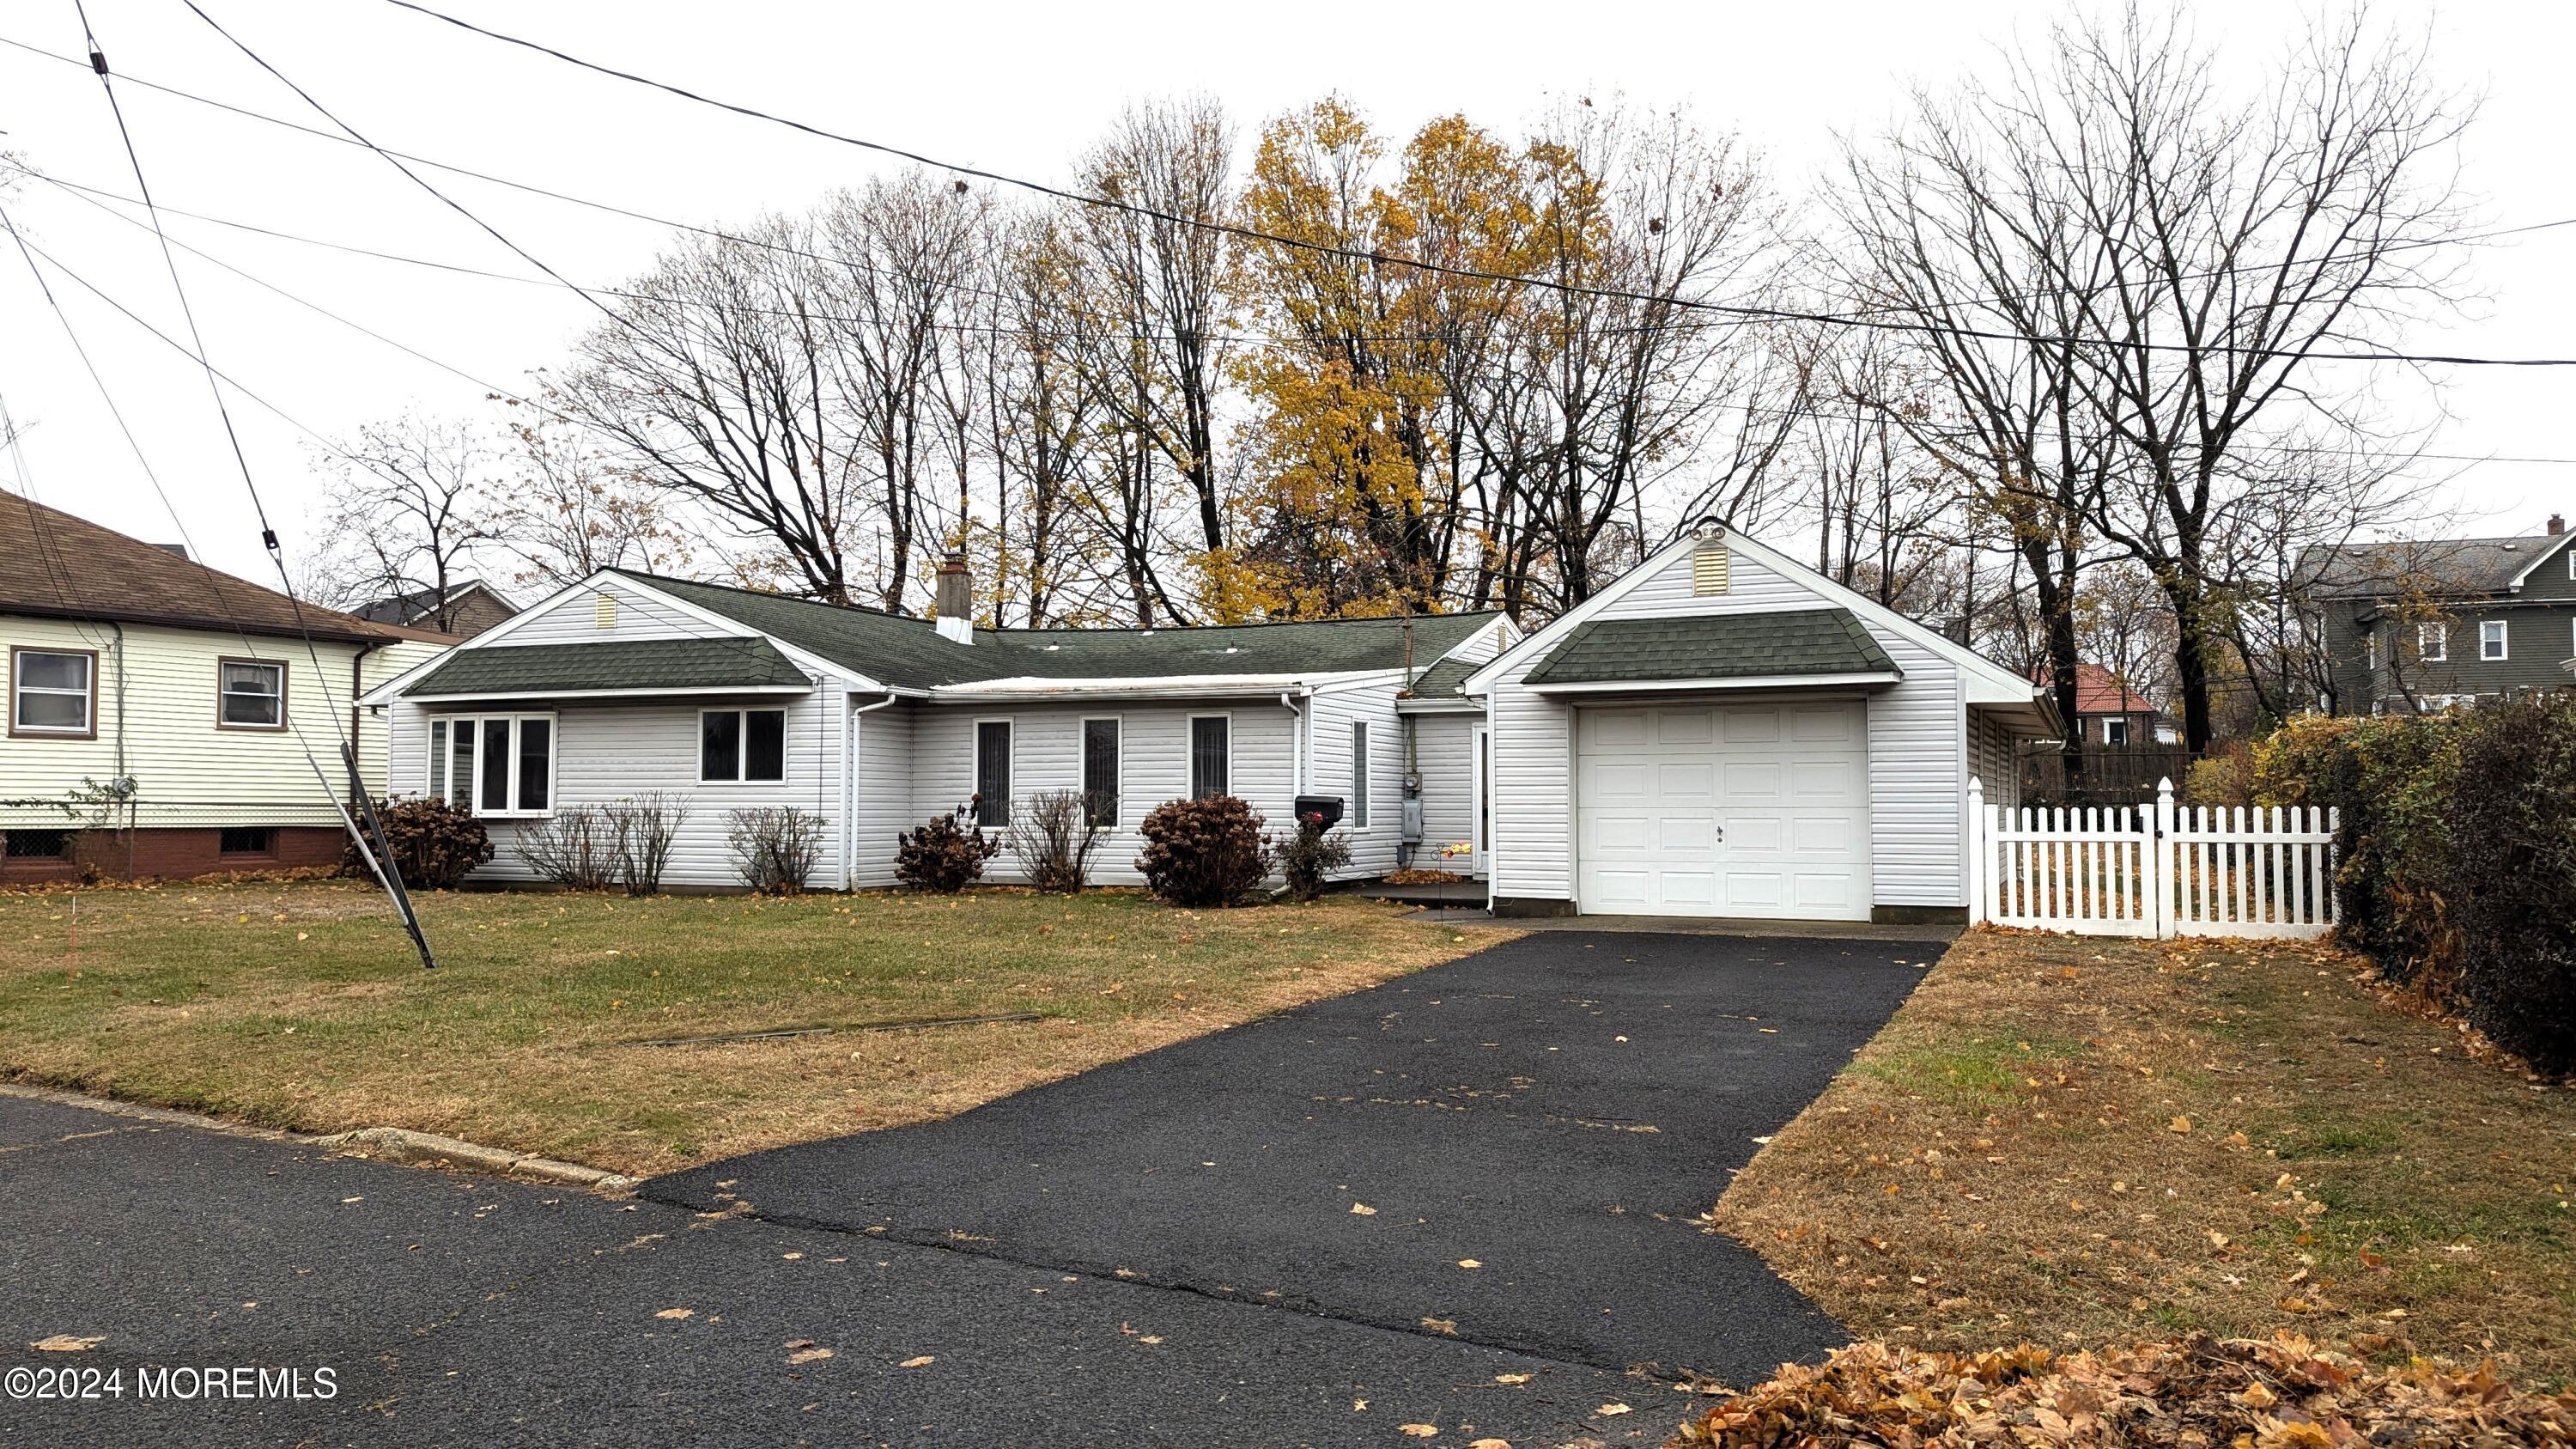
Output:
[[247, 840], [38, 844]]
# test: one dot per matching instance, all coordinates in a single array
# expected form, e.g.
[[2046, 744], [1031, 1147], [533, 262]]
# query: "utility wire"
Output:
[[386, 872], [1855, 317], [1615, 294]]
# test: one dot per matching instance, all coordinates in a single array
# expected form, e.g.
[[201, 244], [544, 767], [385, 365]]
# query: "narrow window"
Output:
[[2433, 642], [492, 795], [246, 840], [2115, 732], [720, 746], [764, 744], [2491, 639], [53, 692], [438, 759], [1359, 774], [1100, 771], [1209, 750], [2370, 646], [460, 789], [993, 772], [536, 765]]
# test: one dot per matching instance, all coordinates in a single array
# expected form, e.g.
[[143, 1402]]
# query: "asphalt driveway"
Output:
[[1506, 1150]]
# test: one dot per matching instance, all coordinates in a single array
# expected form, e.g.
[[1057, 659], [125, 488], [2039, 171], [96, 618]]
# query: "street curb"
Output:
[[376, 1144], [428, 1149]]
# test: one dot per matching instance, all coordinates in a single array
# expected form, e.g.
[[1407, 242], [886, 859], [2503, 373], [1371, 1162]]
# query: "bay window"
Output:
[[498, 766]]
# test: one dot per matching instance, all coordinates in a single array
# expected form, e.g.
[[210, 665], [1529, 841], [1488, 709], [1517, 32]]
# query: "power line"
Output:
[[1861, 317], [1254, 234], [386, 871]]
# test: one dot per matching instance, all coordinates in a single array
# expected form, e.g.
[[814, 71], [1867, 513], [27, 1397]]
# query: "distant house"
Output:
[[2107, 710], [127, 661], [472, 606], [2422, 624]]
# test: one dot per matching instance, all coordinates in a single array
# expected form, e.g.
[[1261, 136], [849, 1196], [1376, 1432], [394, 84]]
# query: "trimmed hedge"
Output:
[[2457, 849]]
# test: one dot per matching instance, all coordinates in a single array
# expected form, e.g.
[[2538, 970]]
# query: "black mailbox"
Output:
[[1324, 810]]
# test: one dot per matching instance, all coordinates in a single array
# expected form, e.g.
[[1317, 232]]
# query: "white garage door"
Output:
[[1725, 810]]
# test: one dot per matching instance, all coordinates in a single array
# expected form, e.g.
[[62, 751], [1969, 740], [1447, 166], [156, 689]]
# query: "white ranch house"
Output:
[[1721, 732]]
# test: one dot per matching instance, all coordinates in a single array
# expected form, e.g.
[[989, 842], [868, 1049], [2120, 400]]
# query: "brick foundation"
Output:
[[173, 854]]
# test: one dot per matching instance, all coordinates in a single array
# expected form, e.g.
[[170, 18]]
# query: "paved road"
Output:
[[459, 1310], [1554, 1110]]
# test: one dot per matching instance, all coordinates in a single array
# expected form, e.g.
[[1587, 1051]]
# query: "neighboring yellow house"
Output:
[[165, 719]]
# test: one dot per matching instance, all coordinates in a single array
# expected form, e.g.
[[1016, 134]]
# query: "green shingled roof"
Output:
[[621, 664], [1441, 680], [910, 653], [1714, 647]]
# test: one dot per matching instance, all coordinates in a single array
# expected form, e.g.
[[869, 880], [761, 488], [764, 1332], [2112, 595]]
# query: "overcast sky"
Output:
[[1014, 88]]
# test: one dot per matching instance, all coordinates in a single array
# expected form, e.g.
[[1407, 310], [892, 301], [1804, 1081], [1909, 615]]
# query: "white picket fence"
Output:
[[2158, 871]]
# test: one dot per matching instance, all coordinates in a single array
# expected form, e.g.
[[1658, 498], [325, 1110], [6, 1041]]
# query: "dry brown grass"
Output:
[[2101, 1142], [299, 1005]]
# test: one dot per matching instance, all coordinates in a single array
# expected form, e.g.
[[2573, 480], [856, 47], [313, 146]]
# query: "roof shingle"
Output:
[[1714, 647], [62, 566], [693, 664]]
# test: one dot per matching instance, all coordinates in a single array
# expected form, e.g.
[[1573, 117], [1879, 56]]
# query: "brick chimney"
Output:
[[954, 601], [2557, 525]]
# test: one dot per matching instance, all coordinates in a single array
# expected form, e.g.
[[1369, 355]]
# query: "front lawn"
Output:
[[301, 1006], [2075, 1142]]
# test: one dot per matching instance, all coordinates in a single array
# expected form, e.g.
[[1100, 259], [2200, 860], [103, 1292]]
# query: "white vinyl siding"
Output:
[[1917, 750], [1046, 754], [574, 618], [1375, 834], [608, 750]]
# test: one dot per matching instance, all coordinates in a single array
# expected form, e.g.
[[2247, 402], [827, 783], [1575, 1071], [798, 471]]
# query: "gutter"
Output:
[[1301, 738]]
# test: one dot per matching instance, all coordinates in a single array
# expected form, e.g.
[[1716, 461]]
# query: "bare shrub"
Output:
[[1053, 836], [1309, 855], [575, 849], [944, 854], [774, 847], [644, 828]]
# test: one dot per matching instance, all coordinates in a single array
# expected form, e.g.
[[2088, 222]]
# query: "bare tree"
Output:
[[407, 508], [567, 509], [1160, 285], [718, 384]]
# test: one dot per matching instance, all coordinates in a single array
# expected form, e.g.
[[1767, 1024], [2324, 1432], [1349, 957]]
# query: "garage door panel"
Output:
[[1746, 810]]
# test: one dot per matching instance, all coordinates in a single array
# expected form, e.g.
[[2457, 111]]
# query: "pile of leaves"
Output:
[[2283, 1393]]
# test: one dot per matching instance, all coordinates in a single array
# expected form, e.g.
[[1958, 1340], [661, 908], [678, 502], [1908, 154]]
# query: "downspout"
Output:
[[850, 787], [124, 781], [1300, 740]]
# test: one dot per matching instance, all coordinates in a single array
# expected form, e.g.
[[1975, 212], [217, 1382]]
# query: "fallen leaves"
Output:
[[1469, 1263], [1511, 1378], [1442, 1325], [1362, 1210], [2179, 1124], [1419, 1431], [919, 1360], [1610, 1411], [805, 1350], [67, 1343], [2195, 1390], [676, 1313]]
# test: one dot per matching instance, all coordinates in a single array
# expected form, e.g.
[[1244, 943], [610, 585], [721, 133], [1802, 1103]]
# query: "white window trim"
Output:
[[2370, 646], [1190, 754], [741, 746], [1363, 744], [1117, 764], [474, 787], [2433, 642], [2503, 641], [1010, 763], [224, 696], [87, 695], [2108, 725]]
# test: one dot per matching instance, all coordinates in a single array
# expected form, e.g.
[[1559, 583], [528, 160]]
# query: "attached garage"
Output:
[[1725, 733], [1758, 810]]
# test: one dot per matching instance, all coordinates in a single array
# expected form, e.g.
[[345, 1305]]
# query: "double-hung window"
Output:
[[499, 766], [2433, 642], [1359, 774], [1100, 772], [742, 746], [53, 692], [250, 694], [2491, 639], [993, 772], [1211, 755]]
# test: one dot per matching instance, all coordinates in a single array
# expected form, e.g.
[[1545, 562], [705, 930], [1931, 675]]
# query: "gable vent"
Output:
[[1708, 569], [603, 610]]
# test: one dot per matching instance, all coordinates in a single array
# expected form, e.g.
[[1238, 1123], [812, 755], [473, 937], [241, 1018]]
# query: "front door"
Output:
[[1724, 810], [1480, 796]]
